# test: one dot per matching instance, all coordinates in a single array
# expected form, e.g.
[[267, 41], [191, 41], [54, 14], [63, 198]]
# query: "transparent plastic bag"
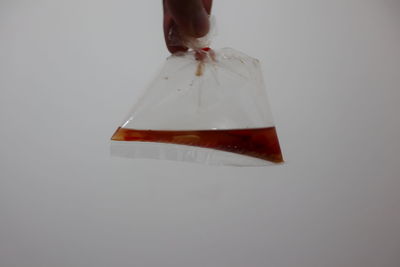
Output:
[[204, 106]]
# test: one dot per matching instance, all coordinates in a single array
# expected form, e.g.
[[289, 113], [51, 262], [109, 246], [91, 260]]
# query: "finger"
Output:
[[171, 33], [190, 16], [208, 5]]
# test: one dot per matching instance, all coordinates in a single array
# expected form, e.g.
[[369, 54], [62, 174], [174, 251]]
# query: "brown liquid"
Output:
[[261, 143]]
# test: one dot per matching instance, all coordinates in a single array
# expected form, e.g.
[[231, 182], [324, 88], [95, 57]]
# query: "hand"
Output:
[[185, 18]]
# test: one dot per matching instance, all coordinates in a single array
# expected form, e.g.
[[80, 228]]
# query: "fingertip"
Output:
[[176, 49], [191, 16], [200, 24]]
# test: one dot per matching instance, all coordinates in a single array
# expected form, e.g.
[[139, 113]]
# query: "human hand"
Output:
[[185, 18]]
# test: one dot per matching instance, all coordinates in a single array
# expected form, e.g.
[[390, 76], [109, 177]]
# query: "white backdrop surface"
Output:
[[71, 70]]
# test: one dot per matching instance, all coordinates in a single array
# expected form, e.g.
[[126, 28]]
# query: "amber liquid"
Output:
[[261, 143]]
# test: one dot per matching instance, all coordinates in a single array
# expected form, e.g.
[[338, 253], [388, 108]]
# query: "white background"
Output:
[[71, 70]]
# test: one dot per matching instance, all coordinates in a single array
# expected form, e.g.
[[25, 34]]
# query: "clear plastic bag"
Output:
[[204, 106]]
